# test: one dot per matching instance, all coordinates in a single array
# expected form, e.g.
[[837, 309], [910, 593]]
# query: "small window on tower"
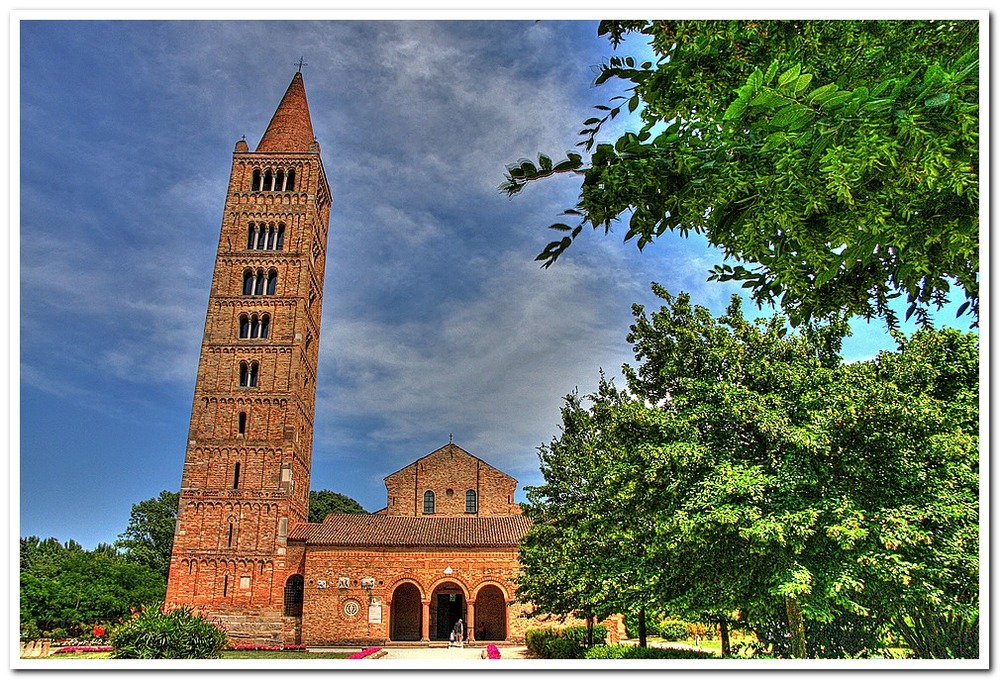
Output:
[[225, 585], [428, 502], [290, 182], [236, 485], [255, 184], [243, 422], [470, 501]]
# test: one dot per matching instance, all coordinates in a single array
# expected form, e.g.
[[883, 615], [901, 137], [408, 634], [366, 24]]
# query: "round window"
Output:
[[449, 493], [351, 608]]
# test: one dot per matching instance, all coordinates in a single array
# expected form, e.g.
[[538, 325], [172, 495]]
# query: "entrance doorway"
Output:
[[447, 607]]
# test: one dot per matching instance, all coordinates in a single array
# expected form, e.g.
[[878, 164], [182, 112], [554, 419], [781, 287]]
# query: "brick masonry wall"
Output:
[[327, 617], [450, 468]]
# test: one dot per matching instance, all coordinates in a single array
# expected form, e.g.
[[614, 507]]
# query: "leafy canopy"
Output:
[[149, 538], [747, 469], [325, 502], [835, 163]]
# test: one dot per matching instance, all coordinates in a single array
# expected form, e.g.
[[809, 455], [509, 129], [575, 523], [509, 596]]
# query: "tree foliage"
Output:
[[149, 538], [325, 502], [835, 163], [64, 590], [748, 469]]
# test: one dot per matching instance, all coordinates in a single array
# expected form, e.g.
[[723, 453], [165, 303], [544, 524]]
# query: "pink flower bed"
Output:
[[77, 648], [265, 648], [365, 652], [492, 652]]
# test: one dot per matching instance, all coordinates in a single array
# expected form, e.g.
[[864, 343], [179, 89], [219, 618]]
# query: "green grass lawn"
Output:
[[292, 654]]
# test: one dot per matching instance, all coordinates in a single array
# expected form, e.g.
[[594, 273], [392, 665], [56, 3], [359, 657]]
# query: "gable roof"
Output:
[[399, 531], [452, 447]]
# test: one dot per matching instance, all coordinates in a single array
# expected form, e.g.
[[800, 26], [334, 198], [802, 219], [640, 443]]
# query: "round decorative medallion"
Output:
[[351, 608]]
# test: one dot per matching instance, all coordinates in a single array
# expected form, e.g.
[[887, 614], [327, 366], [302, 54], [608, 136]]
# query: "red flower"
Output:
[[98, 631]]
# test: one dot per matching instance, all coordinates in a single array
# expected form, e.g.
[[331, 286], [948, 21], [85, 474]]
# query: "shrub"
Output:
[[563, 648], [546, 643], [673, 629], [579, 634], [631, 652], [535, 639], [179, 634]]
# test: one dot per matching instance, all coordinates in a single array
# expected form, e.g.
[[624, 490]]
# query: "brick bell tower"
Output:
[[245, 484]]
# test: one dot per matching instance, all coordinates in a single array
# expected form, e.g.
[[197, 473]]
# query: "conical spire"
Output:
[[290, 128]]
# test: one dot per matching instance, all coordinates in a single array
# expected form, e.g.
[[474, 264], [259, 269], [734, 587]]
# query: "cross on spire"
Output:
[[301, 63]]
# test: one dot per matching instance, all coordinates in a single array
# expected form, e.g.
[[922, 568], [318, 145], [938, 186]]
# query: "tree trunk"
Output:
[[590, 631], [724, 637], [796, 627], [642, 627]]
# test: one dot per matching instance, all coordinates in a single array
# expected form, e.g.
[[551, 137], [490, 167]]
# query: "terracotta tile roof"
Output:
[[399, 531]]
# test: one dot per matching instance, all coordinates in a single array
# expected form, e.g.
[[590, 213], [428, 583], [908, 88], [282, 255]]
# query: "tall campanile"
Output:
[[245, 484]]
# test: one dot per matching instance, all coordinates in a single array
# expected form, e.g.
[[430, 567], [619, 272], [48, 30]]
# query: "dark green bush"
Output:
[[179, 634], [631, 652], [579, 634], [672, 629], [537, 639], [563, 648], [546, 643]]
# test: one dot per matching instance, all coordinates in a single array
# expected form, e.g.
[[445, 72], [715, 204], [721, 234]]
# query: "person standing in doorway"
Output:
[[458, 632]]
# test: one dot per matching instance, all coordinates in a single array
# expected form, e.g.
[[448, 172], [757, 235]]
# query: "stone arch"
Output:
[[448, 603], [405, 611], [491, 612]]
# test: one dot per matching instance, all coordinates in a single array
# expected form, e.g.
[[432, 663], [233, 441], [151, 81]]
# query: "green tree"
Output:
[[149, 538], [747, 469], [72, 589], [834, 163], [325, 502]]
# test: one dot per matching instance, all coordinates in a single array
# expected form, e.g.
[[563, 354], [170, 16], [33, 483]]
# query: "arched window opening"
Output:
[[268, 181], [248, 374], [290, 181], [294, 587], [280, 242], [272, 281], [236, 485], [258, 288], [225, 585], [269, 244], [244, 326], [279, 181], [255, 185], [248, 282], [251, 236], [229, 543], [470, 501], [428, 502], [243, 422], [265, 325]]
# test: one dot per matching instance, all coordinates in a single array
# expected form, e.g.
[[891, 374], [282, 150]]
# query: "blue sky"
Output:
[[436, 319]]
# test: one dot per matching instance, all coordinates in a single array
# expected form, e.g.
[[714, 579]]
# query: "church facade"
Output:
[[446, 544]]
